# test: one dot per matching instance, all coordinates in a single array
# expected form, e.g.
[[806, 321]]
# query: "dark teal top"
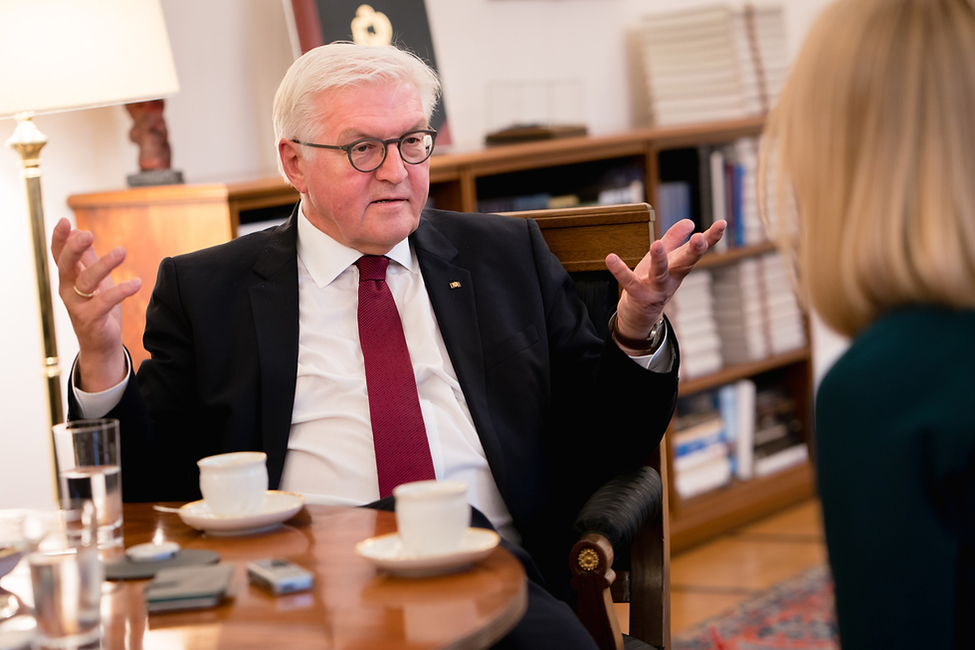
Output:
[[895, 446]]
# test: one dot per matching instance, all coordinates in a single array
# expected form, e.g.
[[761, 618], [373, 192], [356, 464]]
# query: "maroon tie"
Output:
[[402, 450]]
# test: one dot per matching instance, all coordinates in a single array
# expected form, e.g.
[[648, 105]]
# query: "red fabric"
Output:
[[400, 439]]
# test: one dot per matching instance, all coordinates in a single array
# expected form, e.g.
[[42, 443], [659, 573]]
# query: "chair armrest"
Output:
[[620, 508], [610, 519]]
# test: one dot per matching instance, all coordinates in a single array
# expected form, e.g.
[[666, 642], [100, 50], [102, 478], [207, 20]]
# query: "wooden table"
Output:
[[352, 605]]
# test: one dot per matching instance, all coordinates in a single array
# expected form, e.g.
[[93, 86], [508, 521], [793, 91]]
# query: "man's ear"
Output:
[[292, 163]]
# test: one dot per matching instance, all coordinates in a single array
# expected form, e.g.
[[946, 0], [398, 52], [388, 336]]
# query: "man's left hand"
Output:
[[649, 286]]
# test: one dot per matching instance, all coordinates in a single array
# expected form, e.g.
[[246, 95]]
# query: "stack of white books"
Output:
[[760, 44], [691, 313], [711, 63], [738, 311], [785, 324], [756, 310]]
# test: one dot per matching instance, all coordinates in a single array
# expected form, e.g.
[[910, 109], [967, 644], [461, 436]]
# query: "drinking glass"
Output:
[[88, 457], [66, 578]]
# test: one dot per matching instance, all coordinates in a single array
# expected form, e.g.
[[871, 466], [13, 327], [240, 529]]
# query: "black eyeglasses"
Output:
[[368, 154]]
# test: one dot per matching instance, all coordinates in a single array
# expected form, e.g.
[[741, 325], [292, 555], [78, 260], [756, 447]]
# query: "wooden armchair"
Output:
[[628, 517]]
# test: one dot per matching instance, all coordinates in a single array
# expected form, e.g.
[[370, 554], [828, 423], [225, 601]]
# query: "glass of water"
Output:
[[66, 579], [88, 458]]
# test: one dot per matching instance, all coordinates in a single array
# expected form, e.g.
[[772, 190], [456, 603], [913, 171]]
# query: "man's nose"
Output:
[[393, 167]]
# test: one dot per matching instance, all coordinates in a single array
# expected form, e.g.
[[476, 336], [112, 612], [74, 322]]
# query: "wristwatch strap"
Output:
[[643, 346]]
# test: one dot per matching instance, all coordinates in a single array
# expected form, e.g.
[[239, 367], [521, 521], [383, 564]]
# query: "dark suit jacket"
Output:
[[557, 410]]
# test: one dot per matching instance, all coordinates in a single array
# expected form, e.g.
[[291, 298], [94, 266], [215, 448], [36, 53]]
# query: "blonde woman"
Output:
[[873, 144]]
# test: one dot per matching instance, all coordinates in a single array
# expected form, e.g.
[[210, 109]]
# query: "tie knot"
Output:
[[372, 267]]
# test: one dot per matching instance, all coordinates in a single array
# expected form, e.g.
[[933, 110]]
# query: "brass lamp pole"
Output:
[[27, 140]]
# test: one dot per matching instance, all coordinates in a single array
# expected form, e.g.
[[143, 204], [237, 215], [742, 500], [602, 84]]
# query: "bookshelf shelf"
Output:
[[710, 514], [729, 374], [157, 222]]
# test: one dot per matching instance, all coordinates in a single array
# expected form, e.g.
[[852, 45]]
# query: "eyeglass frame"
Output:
[[347, 148]]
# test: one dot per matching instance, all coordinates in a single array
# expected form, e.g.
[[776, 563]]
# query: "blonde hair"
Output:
[[873, 138]]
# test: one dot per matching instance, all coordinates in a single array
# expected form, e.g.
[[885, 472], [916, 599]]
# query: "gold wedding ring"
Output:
[[82, 293]]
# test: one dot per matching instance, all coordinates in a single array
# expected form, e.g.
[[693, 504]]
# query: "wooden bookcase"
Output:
[[155, 222]]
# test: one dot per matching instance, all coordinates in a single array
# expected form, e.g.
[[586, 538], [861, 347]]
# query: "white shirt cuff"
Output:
[[660, 361], [96, 405]]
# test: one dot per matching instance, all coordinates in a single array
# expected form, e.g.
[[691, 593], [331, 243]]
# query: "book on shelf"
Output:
[[756, 310], [785, 325], [721, 181], [739, 430], [738, 312], [710, 63], [699, 439], [778, 447], [708, 476], [695, 438], [691, 313], [673, 204], [737, 403], [778, 440], [790, 456], [687, 459], [732, 176]]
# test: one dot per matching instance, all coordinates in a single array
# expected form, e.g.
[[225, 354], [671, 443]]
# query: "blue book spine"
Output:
[[739, 197]]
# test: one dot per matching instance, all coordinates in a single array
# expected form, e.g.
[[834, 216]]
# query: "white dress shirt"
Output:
[[330, 451]]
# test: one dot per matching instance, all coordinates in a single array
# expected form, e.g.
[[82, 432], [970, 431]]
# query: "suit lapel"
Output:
[[451, 290], [275, 311]]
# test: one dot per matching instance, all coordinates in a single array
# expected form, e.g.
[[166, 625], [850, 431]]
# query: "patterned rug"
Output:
[[796, 614]]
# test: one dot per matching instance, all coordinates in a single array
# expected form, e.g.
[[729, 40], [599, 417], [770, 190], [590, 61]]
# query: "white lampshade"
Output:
[[60, 55]]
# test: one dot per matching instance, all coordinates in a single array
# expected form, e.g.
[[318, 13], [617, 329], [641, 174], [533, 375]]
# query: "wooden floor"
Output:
[[707, 579]]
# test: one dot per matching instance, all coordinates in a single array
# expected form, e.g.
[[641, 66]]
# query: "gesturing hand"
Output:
[[93, 302], [649, 286]]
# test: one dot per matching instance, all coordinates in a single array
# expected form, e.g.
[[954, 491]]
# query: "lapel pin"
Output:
[[455, 285]]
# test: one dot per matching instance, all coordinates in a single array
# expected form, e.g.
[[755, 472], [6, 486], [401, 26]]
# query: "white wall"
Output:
[[230, 55]]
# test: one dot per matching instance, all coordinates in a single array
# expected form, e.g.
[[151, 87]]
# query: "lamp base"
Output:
[[155, 177]]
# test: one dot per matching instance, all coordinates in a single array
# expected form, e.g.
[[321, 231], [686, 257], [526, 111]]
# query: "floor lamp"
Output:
[[61, 56]]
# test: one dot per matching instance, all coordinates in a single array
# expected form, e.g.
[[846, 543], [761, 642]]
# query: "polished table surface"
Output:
[[352, 604]]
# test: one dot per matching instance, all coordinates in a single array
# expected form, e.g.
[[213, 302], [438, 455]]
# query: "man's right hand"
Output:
[[97, 320]]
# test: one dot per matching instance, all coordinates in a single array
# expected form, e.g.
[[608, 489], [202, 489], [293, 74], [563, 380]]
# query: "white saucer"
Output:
[[277, 507], [386, 552]]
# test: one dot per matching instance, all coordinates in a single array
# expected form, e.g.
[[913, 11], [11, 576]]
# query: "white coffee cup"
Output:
[[432, 516], [234, 484]]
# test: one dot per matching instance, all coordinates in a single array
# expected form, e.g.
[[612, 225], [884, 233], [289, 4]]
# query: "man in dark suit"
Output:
[[250, 341]]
